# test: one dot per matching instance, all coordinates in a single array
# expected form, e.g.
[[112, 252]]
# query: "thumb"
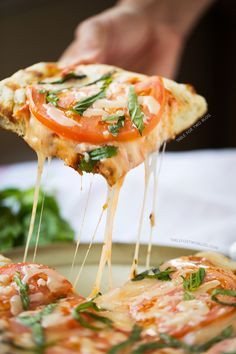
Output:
[[89, 45]]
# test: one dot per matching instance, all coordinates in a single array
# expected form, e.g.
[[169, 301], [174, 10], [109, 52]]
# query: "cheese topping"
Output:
[[151, 103], [57, 115], [54, 280], [16, 305]]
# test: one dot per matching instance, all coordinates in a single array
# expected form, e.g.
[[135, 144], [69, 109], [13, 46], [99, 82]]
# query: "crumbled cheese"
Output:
[[4, 279], [5, 290], [41, 282], [16, 305], [149, 101]]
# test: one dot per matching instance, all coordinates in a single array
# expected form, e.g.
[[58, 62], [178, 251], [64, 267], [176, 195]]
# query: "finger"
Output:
[[89, 45]]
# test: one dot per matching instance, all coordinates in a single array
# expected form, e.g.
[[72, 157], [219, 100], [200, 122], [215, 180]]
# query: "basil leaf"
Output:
[[15, 213], [168, 341], [105, 77], [143, 348], [84, 104], [176, 343], [52, 98], [87, 164], [114, 128], [67, 77], [195, 279], [187, 296], [87, 305], [226, 333], [80, 313], [34, 323], [23, 290], [133, 338], [136, 114], [155, 273], [227, 292]]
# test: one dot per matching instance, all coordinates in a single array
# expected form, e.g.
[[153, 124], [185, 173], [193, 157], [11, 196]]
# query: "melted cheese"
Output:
[[149, 101], [89, 247], [140, 227], [113, 196], [16, 305], [41, 160], [54, 279], [81, 229], [57, 115], [155, 171]]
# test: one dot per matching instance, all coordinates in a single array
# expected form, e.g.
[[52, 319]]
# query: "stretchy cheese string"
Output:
[[89, 247], [112, 200], [40, 218], [156, 174], [41, 160], [140, 227], [81, 226]]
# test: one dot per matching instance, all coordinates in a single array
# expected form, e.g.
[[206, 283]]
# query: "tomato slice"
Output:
[[93, 129], [44, 284]]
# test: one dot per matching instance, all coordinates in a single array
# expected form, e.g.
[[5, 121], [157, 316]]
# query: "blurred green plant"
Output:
[[15, 213]]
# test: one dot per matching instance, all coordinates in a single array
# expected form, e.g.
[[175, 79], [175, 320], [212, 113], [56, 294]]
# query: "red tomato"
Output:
[[93, 129], [44, 285]]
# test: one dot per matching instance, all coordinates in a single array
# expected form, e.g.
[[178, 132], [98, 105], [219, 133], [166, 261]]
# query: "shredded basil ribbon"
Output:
[[34, 323], [134, 337], [104, 77], [187, 296], [23, 290], [221, 291], [136, 114], [80, 313], [104, 152], [84, 104], [155, 273], [195, 279], [168, 341], [52, 98], [67, 77]]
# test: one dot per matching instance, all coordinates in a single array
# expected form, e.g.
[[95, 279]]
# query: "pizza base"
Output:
[[183, 107]]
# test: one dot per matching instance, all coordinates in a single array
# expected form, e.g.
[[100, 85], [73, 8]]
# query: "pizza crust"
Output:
[[182, 108]]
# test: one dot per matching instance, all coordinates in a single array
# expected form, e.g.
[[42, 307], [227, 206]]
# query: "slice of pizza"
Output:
[[187, 303], [97, 118], [25, 286]]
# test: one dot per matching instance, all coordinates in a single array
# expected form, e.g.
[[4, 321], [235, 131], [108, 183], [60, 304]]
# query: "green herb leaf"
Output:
[[187, 296], [84, 104], [67, 77], [195, 279], [155, 273], [226, 333], [15, 213], [133, 338], [106, 77], [52, 98], [81, 314], [136, 114], [168, 341], [225, 292], [23, 290], [114, 128], [87, 164], [34, 323]]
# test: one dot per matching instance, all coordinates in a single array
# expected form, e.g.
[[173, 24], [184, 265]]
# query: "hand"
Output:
[[137, 35]]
